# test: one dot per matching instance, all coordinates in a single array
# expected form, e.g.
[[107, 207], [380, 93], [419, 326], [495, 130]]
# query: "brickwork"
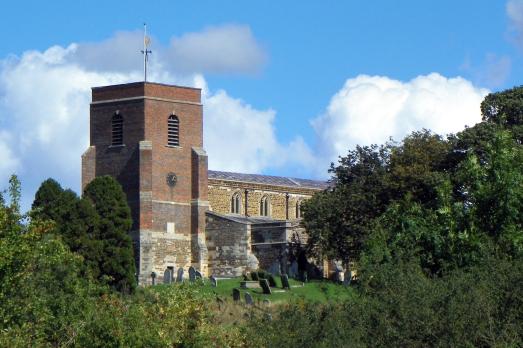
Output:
[[172, 225], [142, 163]]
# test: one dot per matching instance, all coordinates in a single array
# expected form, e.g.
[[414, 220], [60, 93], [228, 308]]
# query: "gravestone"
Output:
[[275, 268], [293, 270], [285, 282], [168, 276], [236, 295], [254, 276], [347, 280], [179, 276], [248, 299], [153, 278], [265, 286], [198, 275], [192, 274], [340, 276], [271, 280], [214, 281]]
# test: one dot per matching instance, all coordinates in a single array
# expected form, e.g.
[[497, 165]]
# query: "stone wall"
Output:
[[282, 200], [159, 250], [228, 246]]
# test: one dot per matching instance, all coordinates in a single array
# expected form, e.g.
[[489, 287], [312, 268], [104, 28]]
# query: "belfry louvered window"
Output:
[[117, 129], [173, 131]]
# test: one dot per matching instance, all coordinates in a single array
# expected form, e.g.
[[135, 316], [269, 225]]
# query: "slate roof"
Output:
[[255, 220], [269, 180]]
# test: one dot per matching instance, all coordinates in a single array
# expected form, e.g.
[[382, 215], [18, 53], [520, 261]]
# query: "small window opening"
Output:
[[265, 206], [298, 210], [117, 129], [236, 203], [173, 131]]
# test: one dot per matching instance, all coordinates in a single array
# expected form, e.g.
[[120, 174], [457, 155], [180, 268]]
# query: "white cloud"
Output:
[[44, 113], [224, 49], [219, 49], [238, 137], [492, 72], [370, 109], [514, 10], [8, 161]]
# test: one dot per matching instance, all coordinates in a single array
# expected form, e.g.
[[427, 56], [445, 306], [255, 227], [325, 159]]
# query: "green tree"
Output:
[[75, 220], [505, 109], [338, 220], [114, 224]]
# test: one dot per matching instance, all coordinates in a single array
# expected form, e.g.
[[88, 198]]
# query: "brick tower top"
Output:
[[151, 90]]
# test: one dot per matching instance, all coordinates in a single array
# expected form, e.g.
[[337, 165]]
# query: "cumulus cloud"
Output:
[[370, 109], [224, 49], [45, 95], [492, 72], [44, 113], [514, 10], [219, 49], [241, 138]]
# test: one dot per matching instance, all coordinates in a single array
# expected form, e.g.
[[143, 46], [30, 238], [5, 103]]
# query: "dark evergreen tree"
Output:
[[114, 225]]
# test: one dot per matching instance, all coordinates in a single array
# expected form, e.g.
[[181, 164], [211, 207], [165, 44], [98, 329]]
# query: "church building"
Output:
[[149, 137]]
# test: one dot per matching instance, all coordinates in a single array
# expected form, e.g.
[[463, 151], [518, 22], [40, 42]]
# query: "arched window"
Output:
[[265, 206], [236, 203], [298, 209], [117, 129], [173, 131]]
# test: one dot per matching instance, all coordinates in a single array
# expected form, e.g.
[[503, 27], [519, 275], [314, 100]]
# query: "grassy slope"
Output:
[[315, 290]]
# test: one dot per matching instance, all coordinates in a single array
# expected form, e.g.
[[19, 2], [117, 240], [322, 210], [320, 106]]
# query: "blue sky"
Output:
[[314, 78]]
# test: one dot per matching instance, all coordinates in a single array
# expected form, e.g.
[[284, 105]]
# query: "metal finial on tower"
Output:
[[145, 51]]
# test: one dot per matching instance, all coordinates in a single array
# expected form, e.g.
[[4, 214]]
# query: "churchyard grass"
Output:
[[320, 291]]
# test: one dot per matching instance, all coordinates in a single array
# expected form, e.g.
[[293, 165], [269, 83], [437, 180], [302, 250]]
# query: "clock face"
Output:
[[171, 179]]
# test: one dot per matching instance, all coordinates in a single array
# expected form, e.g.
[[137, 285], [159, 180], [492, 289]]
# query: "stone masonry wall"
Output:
[[229, 247], [220, 195]]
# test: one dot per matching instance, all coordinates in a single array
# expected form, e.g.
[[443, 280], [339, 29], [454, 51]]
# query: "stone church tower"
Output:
[[149, 136]]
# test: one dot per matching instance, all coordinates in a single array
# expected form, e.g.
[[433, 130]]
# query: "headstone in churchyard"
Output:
[[192, 274], [214, 281], [275, 268], [265, 286], [236, 295], [254, 276], [340, 275], [168, 276], [271, 280], [198, 275], [153, 278], [293, 270], [179, 276], [285, 282], [347, 280], [304, 276], [248, 299]]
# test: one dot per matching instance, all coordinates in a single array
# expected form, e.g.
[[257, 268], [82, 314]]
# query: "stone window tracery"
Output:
[[236, 203], [298, 209], [265, 206]]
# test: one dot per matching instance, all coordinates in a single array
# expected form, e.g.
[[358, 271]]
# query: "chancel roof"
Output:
[[268, 180]]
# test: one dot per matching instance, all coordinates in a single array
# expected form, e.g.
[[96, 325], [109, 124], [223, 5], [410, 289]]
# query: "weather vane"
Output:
[[145, 51]]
